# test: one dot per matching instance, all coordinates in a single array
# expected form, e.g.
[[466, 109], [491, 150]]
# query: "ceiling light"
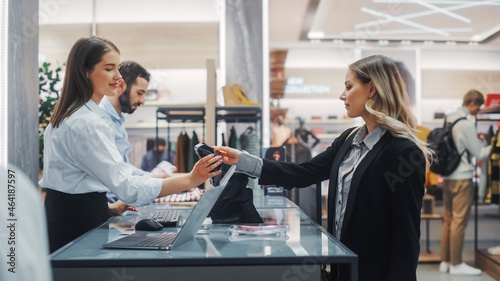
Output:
[[406, 42], [473, 43], [338, 41], [441, 10], [428, 43], [383, 42], [360, 42], [403, 21], [451, 43], [315, 35]]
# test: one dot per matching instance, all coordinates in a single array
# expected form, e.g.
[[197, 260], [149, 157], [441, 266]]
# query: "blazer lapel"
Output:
[[360, 170], [334, 172]]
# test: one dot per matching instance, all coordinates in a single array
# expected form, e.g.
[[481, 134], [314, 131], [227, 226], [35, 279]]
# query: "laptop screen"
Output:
[[201, 210]]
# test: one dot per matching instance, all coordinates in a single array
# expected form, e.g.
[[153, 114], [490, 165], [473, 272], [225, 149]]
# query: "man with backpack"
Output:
[[458, 188]]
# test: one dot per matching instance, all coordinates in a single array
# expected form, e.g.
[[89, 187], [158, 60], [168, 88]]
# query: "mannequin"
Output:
[[280, 132], [303, 134]]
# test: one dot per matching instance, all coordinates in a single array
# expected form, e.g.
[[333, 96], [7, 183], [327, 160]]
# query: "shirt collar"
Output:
[[371, 140], [463, 111], [92, 106], [106, 104]]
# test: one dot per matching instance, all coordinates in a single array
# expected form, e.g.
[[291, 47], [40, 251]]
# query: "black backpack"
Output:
[[447, 157]]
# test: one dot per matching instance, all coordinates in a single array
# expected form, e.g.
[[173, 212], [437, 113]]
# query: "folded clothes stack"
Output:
[[192, 196]]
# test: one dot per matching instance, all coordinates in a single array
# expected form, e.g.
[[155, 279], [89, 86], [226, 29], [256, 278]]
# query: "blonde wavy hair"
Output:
[[390, 104]]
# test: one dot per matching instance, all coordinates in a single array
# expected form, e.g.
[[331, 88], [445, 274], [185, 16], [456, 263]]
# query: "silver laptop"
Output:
[[168, 241]]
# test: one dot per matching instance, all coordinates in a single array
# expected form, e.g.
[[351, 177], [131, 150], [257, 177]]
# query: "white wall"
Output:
[[442, 91], [113, 11]]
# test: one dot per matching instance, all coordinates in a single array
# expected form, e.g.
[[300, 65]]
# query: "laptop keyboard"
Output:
[[159, 239], [165, 217]]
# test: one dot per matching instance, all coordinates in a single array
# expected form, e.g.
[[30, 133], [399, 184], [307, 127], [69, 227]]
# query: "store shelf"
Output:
[[239, 114], [182, 115], [171, 104], [148, 125]]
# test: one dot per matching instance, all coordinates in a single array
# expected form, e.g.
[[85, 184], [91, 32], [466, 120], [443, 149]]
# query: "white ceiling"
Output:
[[298, 21], [460, 21]]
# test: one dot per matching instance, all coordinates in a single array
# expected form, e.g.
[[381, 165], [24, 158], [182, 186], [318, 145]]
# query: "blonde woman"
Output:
[[376, 174]]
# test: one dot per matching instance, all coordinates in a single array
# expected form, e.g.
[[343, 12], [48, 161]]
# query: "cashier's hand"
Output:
[[117, 208], [201, 170], [229, 155]]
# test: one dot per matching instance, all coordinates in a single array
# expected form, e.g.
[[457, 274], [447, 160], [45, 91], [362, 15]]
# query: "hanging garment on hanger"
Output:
[[182, 152], [494, 169], [192, 157], [250, 142], [223, 140], [233, 142]]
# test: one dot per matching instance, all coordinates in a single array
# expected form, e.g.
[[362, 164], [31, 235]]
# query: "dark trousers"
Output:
[[71, 215]]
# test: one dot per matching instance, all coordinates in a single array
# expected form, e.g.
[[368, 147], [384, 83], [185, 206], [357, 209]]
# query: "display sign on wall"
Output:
[[295, 85]]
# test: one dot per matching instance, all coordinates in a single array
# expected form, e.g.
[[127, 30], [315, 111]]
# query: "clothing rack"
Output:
[[239, 114], [195, 114], [490, 114]]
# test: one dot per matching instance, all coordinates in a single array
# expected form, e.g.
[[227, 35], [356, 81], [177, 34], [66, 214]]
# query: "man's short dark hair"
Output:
[[130, 70]]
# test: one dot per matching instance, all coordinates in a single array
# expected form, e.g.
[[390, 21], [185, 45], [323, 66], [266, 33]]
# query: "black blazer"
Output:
[[382, 218]]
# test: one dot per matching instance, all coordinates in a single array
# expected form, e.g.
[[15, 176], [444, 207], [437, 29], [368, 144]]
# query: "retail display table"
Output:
[[212, 254]]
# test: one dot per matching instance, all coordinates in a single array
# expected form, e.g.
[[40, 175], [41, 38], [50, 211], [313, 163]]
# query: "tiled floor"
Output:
[[488, 233]]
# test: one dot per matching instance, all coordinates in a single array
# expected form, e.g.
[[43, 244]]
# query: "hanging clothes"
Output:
[[223, 140], [484, 180], [192, 157], [233, 141], [182, 152], [494, 169], [250, 142]]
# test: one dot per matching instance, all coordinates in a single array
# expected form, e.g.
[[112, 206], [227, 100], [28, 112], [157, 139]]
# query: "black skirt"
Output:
[[71, 215]]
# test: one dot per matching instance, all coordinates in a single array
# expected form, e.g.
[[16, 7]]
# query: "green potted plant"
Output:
[[48, 96]]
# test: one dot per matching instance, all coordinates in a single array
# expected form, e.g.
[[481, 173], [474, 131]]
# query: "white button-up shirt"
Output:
[[121, 136], [80, 156]]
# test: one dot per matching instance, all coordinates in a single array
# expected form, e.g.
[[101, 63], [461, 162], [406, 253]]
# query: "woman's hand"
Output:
[[201, 170], [117, 208], [229, 155]]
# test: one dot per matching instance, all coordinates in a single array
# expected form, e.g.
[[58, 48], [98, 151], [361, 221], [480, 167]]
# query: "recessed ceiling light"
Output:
[[383, 42], [315, 35]]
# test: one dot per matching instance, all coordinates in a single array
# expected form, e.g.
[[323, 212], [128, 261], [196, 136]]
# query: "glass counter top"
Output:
[[305, 241]]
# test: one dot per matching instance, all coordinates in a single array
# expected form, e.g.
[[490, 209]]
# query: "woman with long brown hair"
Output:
[[82, 162]]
